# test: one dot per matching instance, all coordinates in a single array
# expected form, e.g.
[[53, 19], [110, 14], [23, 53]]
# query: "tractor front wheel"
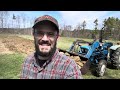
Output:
[[101, 68]]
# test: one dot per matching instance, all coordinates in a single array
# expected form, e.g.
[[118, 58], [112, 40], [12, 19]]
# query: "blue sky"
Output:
[[72, 17]]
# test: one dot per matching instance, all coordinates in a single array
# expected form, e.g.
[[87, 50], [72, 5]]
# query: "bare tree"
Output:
[[83, 25], [32, 21], [78, 27], [23, 17], [18, 21], [3, 18], [68, 27]]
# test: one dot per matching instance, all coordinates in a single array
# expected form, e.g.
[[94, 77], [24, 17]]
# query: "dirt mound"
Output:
[[17, 44], [3, 49], [77, 59]]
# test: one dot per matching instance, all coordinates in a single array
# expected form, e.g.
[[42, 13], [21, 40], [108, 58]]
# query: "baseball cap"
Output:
[[48, 18]]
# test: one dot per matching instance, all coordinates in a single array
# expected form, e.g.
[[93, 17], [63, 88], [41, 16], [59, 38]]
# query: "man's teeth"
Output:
[[45, 44]]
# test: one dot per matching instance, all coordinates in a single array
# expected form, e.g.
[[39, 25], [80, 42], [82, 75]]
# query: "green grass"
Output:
[[10, 66], [109, 74], [64, 42], [26, 36]]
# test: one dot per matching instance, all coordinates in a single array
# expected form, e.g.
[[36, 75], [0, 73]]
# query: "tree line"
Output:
[[110, 27], [110, 30], [21, 20]]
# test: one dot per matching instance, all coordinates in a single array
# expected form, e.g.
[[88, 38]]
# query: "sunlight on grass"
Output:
[[10, 66], [65, 42], [26, 36]]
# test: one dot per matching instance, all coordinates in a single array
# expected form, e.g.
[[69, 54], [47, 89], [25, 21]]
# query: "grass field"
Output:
[[10, 63], [10, 66]]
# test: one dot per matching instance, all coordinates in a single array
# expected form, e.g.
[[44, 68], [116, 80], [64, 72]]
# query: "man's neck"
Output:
[[41, 59]]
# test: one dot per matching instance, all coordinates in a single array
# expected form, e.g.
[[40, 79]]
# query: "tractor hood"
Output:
[[86, 47], [114, 47]]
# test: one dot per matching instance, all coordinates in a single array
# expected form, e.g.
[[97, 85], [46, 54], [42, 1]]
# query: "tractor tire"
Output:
[[101, 68], [115, 59]]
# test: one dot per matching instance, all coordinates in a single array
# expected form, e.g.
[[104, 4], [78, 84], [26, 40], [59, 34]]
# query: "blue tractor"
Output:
[[95, 52]]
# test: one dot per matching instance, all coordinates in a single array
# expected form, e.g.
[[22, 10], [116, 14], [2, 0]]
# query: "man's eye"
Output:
[[51, 34], [40, 33]]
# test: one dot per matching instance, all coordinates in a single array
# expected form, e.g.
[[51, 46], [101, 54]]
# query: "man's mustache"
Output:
[[44, 42]]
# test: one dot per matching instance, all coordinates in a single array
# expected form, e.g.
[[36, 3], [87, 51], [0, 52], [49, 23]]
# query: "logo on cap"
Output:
[[46, 17]]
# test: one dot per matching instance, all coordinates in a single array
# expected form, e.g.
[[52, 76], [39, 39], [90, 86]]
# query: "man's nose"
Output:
[[45, 37]]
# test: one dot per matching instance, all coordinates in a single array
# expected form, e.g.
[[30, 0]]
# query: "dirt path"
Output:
[[3, 49]]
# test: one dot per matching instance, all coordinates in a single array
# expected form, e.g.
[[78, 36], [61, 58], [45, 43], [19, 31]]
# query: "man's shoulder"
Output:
[[66, 58], [69, 63], [30, 58]]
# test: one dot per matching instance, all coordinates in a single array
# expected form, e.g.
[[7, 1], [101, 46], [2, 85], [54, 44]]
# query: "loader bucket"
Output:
[[74, 54], [82, 62]]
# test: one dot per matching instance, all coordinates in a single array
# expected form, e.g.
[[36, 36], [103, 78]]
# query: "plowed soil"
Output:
[[10, 44]]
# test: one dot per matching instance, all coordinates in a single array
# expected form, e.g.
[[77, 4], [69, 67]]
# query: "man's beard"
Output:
[[43, 55]]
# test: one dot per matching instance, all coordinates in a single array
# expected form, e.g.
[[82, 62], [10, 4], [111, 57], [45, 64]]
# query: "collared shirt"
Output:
[[60, 67]]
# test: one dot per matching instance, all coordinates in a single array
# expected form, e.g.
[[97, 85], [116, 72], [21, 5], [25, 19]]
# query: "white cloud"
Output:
[[75, 17]]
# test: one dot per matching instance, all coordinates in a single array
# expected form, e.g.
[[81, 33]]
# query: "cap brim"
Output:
[[44, 21]]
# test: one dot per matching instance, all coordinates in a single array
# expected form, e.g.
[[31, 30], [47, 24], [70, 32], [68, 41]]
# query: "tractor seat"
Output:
[[90, 43]]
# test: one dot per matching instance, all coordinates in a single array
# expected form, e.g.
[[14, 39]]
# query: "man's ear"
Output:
[[58, 36]]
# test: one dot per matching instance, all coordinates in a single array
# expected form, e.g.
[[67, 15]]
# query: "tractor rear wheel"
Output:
[[115, 59], [101, 68]]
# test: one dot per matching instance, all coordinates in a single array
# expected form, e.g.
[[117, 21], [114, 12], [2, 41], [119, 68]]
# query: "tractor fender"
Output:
[[114, 47]]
